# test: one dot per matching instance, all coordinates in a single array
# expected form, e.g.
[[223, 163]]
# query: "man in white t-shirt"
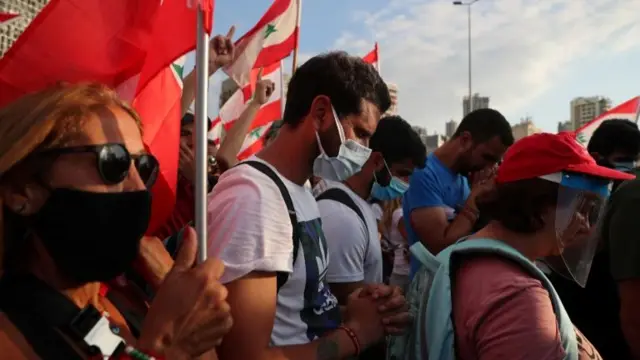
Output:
[[352, 233], [265, 224]]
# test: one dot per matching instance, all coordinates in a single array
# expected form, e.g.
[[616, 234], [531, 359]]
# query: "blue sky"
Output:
[[531, 57]]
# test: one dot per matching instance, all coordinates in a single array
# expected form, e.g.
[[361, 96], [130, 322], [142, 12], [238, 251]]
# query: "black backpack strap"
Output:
[[282, 277], [39, 313], [341, 196]]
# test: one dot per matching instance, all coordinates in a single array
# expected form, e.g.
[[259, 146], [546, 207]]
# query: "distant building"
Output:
[[450, 128], [565, 126], [525, 128], [393, 93], [585, 109], [432, 142], [26, 10], [479, 102]]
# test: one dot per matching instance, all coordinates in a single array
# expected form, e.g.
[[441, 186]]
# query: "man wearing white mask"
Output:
[[265, 225], [348, 220]]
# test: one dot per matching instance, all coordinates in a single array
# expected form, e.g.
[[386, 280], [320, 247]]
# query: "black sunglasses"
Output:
[[114, 161]]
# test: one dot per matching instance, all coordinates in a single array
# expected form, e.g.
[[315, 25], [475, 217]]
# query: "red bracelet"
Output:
[[354, 338]]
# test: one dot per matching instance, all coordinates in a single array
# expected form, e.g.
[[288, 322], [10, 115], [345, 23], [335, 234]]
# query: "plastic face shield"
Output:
[[579, 211]]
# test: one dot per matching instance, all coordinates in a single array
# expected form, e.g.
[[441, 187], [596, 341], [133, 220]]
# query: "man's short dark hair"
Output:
[[615, 135], [346, 80], [189, 118], [484, 125], [397, 141]]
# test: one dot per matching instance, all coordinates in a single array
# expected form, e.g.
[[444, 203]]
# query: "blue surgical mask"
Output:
[[626, 166], [350, 159], [394, 190]]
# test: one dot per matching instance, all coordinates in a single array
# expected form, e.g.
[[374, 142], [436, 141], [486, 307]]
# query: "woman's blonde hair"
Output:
[[42, 120], [388, 207]]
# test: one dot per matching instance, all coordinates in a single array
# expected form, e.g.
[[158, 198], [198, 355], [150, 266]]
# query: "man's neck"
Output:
[[359, 186], [291, 160], [448, 155]]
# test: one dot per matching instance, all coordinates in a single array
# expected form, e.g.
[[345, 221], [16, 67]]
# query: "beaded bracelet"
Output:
[[354, 338], [136, 354]]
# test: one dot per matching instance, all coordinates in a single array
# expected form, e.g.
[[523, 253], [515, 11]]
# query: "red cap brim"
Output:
[[600, 171]]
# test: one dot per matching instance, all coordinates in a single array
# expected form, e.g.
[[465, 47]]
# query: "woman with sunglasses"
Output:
[[75, 201]]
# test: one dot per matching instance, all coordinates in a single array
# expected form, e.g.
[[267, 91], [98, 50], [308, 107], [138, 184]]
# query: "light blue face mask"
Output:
[[350, 159], [626, 166], [394, 190]]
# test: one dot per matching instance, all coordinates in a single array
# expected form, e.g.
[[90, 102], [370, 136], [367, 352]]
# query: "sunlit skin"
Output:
[[79, 171]]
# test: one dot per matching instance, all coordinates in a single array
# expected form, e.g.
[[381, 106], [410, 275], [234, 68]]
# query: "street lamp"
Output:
[[468, 5]]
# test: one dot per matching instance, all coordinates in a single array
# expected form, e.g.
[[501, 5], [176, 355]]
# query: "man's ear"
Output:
[[321, 113], [466, 140], [377, 161]]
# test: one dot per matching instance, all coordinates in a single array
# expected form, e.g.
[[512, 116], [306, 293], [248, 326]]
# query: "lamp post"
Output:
[[468, 5]]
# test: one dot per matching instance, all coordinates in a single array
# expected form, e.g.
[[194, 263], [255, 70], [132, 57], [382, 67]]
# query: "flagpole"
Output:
[[282, 85], [202, 83], [378, 56], [294, 63]]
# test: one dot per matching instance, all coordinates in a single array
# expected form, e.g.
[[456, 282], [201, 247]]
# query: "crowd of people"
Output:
[[341, 239]]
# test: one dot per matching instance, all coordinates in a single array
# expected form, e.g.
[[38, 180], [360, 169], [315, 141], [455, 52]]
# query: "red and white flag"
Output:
[[127, 45], [4, 17], [272, 39], [237, 103], [373, 57], [629, 110]]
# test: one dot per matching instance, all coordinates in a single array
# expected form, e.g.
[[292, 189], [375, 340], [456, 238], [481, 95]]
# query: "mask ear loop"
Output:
[[339, 125]]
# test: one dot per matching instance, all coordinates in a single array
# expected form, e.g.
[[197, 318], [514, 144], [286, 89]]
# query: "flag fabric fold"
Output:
[[127, 45], [629, 110], [373, 57], [272, 39]]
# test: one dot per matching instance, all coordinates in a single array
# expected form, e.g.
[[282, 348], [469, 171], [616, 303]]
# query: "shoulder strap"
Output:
[[282, 277], [341, 196], [38, 312]]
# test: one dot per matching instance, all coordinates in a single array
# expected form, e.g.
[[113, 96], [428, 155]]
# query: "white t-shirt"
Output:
[[248, 220], [377, 211], [400, 262], [354, 247]]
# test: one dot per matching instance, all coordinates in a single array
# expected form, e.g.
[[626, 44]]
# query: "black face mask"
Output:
[[92, 236]]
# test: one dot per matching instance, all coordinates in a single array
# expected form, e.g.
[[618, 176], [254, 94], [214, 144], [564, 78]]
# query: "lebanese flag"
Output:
[[128, 45], [373, 57], [268, 113], [254, 141], [629, 110], [272, 39]]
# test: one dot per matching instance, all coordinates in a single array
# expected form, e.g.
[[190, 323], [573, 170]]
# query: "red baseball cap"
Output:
[[543, 154]]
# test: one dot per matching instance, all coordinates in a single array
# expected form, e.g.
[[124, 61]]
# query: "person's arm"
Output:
[[253, 305], [347, 239], [624, 252], [522, 327], [221, 53], [227, 155], [427, 213]]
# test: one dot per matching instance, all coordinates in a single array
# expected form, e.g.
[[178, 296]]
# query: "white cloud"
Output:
[[520, 48]]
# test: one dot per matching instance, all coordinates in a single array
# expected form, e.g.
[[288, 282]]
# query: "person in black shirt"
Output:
[[596, 309]]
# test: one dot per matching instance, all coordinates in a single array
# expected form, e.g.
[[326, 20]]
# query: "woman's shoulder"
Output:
[[13, 344]]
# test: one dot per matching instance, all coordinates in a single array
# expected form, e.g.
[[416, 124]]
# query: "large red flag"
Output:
[[125, 44]]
